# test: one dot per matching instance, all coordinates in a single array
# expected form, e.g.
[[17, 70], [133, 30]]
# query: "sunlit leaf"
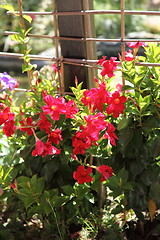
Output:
[[8, 7]]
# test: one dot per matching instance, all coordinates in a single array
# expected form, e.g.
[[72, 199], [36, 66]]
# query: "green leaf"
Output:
[[50, 168], [123, 123], [155, 147], [1, 172], [28, 18], [123, 175], [47, 208], [118, 209], [39, 185], [7, 172], [68, 190], [25, 68], [80, 190], [137, 138], [31, 211], [128, 186], [90, 198], [60, 201], [16, 37], [127, 87], [28, 201], [125, 137], [23, 180], [8, 7], [114, 185]]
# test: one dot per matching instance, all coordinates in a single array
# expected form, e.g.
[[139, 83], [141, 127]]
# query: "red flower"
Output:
[[13, 185], [9, 128], [106, 172], [119, 87], [32, 16], [54, 107], [81, 141], [110, 134], [26, 125], [89, 97], [101, 96], [95, 123], [44, 124], [109, 66], [44, 149], [116, 104], [100, 61], [136, 44], [54, 66], [71, 109], [82, 174], [96, 97], [6, 115], [129, 56], [55, 136]]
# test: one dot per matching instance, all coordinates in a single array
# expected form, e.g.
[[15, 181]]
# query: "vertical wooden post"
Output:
[[72, 26], [122, 5], [90, 46]]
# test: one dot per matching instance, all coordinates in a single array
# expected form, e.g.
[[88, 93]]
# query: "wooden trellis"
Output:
[[74, 32]]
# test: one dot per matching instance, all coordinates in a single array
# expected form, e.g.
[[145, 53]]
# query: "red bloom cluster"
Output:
[[55, 136], [90, 134], [7, 118], [9, 128], [44, 149], [95, 123], [81, 141], [56, 106], [109, 66], [110, 134], [96, 97], [136, 44], [5, 115], [106, 172], [44, 124], [116, 104], [82, 174], [129, 56], [27, 125]]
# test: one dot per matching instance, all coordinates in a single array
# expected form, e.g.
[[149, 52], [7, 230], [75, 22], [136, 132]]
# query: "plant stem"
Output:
[[55, 219], [22, 25]]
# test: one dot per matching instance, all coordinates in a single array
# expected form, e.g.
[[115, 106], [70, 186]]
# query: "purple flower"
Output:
[[7, 81]]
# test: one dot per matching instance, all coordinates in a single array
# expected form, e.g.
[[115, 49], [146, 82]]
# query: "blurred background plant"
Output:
[[40, 24]]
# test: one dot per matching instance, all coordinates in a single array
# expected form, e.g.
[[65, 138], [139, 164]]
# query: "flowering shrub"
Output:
[[66, 151], [57, 139], [47, 117], [67, 146]]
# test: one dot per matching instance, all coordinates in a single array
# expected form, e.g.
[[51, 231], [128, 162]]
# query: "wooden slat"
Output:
[[72, 26], [93, 12]]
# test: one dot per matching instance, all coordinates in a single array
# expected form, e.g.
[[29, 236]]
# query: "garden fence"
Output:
[[74, 32]]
